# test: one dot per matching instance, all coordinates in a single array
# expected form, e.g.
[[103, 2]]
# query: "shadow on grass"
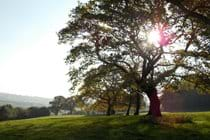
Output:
[[137, 128]]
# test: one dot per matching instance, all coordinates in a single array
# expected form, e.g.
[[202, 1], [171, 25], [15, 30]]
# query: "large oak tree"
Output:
[[115, 33]]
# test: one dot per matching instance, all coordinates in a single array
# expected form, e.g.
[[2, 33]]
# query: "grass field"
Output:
[[177, 126]]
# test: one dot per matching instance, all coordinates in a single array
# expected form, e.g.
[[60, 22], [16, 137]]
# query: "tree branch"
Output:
[[97, 50], [201, 17]]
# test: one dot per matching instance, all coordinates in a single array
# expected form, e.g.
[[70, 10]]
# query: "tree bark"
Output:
[[112, 111], [71, 111], [129, 105], [56, 112], [137, 104], [154, 109], [109, 108]]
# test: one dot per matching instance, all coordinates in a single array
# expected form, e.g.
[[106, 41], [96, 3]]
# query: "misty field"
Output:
[[174, 126]]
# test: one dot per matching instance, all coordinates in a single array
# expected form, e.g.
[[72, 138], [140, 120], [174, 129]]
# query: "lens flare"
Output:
[[154, 37]]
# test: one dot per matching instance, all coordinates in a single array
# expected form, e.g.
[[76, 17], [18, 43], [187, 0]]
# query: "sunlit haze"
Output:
[[154, 37], [31, 61]]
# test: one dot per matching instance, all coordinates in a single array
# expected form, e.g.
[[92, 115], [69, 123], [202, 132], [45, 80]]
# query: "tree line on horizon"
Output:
[[181, 99], [184, 98], [8, 112]]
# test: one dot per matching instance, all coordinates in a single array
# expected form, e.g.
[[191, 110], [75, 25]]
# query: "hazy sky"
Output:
[[31, 62]]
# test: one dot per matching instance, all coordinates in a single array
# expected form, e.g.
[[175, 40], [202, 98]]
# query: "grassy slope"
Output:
[[171, 126]]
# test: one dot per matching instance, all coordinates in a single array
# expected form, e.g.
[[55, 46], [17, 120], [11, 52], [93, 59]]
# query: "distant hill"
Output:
[[23, 101]]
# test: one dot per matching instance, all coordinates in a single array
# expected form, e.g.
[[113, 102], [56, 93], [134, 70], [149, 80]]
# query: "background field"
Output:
[[171, 126]]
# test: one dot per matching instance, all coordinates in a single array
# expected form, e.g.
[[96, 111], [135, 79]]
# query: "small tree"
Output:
[[69, 104], [33, 112], [103, 85], [20, 113], [7, 112], [57, 104]]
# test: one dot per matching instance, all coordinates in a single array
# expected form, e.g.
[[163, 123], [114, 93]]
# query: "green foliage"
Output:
[[7, 112], [33, 112], [115, 33], [102, 88], [57, 104], [69, 104], [61, 103], [22, 113], [111, 33], [194, 82]]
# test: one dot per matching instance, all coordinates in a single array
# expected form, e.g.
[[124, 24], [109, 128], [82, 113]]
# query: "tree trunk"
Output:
[[71, 111], [112, 111], [129, 105], [137, 103], [109, 108], [154, 109], [56, 112]]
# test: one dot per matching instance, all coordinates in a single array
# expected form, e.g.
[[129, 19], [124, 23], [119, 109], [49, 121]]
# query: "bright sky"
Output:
[[31, 61]]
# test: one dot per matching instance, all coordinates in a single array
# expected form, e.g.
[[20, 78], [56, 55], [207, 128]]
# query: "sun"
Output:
[[154, 37]]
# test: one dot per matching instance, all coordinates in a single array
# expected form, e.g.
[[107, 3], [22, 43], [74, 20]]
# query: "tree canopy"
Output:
[[114, 33]]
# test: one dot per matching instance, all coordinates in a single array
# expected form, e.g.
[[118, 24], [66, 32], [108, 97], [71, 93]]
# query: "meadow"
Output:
[[173, 126]]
